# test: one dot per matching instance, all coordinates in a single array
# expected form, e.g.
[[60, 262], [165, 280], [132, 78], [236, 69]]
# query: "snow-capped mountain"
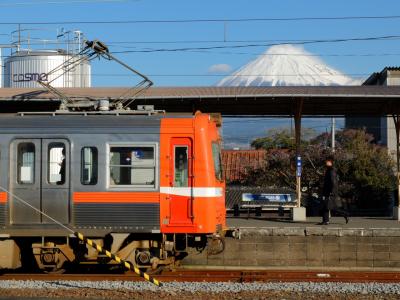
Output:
[[287, 65]]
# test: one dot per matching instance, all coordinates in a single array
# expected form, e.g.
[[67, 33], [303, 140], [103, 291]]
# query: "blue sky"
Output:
[[178, 35]]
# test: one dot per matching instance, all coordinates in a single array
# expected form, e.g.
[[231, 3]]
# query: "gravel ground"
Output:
[[196, 290]]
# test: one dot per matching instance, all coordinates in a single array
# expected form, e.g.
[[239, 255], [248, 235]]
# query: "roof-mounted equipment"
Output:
[[92, 50]]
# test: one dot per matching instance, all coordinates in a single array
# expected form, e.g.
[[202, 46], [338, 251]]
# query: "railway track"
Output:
[[224, 276]]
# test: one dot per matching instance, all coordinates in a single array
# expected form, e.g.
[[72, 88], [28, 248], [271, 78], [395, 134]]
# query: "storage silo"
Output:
[[1, 69], [23, 68]]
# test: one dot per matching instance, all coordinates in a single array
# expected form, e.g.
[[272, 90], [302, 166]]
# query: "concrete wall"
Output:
[[388, 133], [393, 77], [382, 128], [307, 248], [372, 126]]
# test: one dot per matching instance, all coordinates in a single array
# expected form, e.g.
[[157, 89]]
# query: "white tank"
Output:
[[1, 71], [24, 68]]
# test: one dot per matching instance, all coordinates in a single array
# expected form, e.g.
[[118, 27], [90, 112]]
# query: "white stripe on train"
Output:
[[207, 192]]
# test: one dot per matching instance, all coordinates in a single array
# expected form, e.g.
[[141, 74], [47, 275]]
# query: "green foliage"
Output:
[[365, 170], [282, 138]]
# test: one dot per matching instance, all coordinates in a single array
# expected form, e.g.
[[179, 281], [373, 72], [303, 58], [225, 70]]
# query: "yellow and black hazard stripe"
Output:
[[117, 259]]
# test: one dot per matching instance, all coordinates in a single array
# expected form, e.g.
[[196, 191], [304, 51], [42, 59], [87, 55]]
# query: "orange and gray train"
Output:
[[146, 188]]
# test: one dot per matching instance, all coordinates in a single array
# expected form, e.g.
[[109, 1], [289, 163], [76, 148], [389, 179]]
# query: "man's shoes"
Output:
[[347, 219], [323, 223]]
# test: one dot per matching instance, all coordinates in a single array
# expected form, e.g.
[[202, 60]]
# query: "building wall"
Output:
[[382, 128], [393, 77], [388, 132], [371, 125]]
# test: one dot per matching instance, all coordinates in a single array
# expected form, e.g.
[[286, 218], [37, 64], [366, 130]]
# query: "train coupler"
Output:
[[215, 244]]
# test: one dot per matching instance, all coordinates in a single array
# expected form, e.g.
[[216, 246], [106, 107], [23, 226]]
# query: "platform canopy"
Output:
[[273, 101], [295, 102]]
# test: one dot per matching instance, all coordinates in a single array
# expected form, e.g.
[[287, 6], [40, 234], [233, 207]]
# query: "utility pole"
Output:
[[333, 133], [225, 30], [19, 37]]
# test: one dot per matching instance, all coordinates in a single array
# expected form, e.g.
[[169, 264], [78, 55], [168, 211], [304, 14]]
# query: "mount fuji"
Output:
[[287, 65], [283, 65]]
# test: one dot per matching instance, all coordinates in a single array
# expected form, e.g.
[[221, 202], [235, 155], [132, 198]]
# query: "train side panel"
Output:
[[204, 206]]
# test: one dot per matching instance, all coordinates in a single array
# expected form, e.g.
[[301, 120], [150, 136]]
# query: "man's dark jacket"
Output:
[[330, 188]]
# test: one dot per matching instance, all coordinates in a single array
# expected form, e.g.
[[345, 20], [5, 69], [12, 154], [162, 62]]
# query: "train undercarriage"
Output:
[[151, 253]]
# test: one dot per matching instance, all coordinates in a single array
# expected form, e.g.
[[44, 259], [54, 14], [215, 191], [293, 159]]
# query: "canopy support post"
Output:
[[298, 213], [297, 126], [396, 208]]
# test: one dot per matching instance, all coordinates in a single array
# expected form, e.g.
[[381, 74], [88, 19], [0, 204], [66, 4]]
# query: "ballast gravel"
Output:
[[197, 290]]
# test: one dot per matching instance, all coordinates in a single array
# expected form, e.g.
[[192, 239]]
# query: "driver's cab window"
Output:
[[181, 166]]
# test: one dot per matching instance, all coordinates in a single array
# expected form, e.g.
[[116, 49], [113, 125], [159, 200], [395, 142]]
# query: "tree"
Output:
[[365, 170], [282, 138]]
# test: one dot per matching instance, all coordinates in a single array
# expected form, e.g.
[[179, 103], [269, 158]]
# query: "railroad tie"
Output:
[[117, 259]]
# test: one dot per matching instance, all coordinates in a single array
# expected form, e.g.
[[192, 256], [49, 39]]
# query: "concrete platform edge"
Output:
[[319, 231], [288, 268]]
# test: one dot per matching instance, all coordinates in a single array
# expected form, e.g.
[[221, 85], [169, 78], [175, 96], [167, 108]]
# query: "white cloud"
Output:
[[220, 68]]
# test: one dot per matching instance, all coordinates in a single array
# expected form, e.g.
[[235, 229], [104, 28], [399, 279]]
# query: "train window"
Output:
[[181, 166], [26, 163], [216, 151], [132, 166], [89, 166], [56, 163]]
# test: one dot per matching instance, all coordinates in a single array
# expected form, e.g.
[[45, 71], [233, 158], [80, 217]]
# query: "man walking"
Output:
[[330, 193]]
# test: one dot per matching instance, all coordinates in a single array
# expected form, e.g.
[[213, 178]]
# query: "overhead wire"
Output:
[[216, 75], [216, 20], [206, 49], [209, 49], [41, 41], [375, 38], [256, 54], [62, 2]]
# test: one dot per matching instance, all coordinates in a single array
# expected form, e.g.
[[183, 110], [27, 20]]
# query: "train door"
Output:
[[25, 181], [40, 176], [181, 198], [55, 179]]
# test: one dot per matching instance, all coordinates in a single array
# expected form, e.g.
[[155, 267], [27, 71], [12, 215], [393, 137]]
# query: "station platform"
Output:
[[365, 243], [335, 222]]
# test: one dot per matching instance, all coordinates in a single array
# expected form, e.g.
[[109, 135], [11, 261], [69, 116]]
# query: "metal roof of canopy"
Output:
[[279, 101]]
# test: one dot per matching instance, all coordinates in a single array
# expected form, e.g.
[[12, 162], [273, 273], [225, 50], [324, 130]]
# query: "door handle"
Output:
[[190, 208]]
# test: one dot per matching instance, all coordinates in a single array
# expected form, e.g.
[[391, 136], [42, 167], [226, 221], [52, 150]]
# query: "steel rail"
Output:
[[226, 276]]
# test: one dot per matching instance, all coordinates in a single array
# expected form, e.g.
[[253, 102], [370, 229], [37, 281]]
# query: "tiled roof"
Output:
[[377, 78], [393, 68], [237, 162]]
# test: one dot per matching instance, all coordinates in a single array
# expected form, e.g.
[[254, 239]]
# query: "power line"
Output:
[[376, 38], [217, 75], [224, 46], [271, 54], [216, 52], [300, 55], [62, 2], [40, 41], [246, 75], [263, 54], [151, 50], [335, 18]]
